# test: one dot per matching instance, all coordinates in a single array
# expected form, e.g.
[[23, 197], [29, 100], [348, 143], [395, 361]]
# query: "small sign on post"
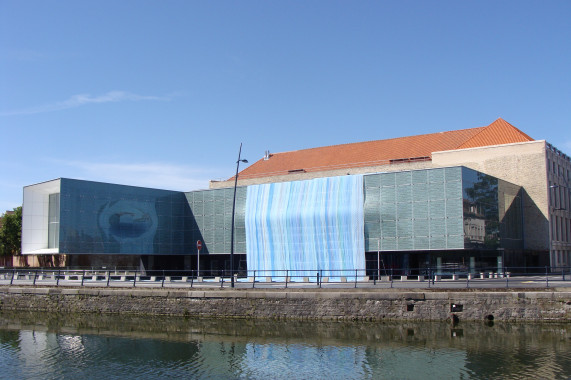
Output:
[[198, 247]]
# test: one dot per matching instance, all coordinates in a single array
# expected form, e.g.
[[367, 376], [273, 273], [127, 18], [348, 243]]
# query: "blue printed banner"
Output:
[[305, 227]]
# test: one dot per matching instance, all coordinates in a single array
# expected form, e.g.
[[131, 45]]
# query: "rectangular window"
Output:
[[53, 221], [549, 194]]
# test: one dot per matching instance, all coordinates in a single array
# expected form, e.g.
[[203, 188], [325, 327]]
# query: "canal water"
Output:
[[103, 347]]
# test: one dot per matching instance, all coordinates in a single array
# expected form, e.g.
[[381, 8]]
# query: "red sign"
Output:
[[199, 245]]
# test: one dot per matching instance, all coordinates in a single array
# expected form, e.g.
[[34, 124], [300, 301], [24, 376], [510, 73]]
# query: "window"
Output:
[[53, 221]]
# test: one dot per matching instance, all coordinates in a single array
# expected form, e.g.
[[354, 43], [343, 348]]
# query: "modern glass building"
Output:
[[451, 217], [455, 200], [454, 218]]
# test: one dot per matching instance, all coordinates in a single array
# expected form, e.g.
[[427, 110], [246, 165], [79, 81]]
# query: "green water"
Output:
[[48, 346]]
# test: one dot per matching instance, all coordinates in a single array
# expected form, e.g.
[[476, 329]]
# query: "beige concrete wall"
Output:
[[523, 164]]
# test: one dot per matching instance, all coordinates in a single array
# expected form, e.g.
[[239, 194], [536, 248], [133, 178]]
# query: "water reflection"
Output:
[[101, 346]]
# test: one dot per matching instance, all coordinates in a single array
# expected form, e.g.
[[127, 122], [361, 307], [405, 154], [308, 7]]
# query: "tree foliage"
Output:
[[11, 233]]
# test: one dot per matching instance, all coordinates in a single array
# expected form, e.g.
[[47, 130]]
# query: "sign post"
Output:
[[198, 247]]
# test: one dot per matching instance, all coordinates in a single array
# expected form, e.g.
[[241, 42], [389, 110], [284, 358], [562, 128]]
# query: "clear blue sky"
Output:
[[161, 93]]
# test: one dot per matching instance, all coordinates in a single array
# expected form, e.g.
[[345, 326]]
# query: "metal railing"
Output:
[[427, 277]]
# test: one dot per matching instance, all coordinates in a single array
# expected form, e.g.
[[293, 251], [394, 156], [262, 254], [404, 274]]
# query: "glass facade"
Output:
[[113, 219], [441, 209], [492, 212], [414, 210], [446, 211], [212, 219]]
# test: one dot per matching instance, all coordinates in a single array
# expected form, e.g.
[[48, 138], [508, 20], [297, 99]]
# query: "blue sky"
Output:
[[161, 93]]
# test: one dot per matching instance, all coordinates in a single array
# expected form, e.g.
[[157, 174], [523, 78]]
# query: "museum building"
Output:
[[451, 201]]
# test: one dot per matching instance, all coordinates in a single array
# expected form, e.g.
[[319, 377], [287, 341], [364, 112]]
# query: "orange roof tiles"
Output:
[[497, 133], [381, 152]]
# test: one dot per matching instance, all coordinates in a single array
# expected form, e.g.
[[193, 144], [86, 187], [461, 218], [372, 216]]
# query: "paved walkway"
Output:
[[519, 282]]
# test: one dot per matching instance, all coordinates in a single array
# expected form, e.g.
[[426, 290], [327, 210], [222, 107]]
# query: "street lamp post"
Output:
[[233, 212]]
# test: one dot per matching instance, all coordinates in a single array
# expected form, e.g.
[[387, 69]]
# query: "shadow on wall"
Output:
[[535, 225], [535, 233]]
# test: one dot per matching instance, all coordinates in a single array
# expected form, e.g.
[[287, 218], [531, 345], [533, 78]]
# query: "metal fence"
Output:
[[394, 277]]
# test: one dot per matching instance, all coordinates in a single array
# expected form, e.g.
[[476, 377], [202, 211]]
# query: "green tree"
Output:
[[11, 233]]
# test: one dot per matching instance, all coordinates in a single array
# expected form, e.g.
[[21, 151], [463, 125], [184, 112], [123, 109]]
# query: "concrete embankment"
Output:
[[551, 305]]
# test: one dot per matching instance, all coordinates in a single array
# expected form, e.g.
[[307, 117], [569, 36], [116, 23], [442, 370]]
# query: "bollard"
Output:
[[392, 275], [82, 277], [108, 277]]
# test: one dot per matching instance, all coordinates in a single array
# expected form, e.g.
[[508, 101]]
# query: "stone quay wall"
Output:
[[551, 305]]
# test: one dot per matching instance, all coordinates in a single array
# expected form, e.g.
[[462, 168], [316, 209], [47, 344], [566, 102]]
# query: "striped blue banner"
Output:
[[306, 226]]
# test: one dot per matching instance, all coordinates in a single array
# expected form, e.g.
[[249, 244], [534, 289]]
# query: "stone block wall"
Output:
[[300, 305]]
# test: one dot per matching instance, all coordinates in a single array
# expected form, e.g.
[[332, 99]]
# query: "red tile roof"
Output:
[[383, 152], [497, 133]]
